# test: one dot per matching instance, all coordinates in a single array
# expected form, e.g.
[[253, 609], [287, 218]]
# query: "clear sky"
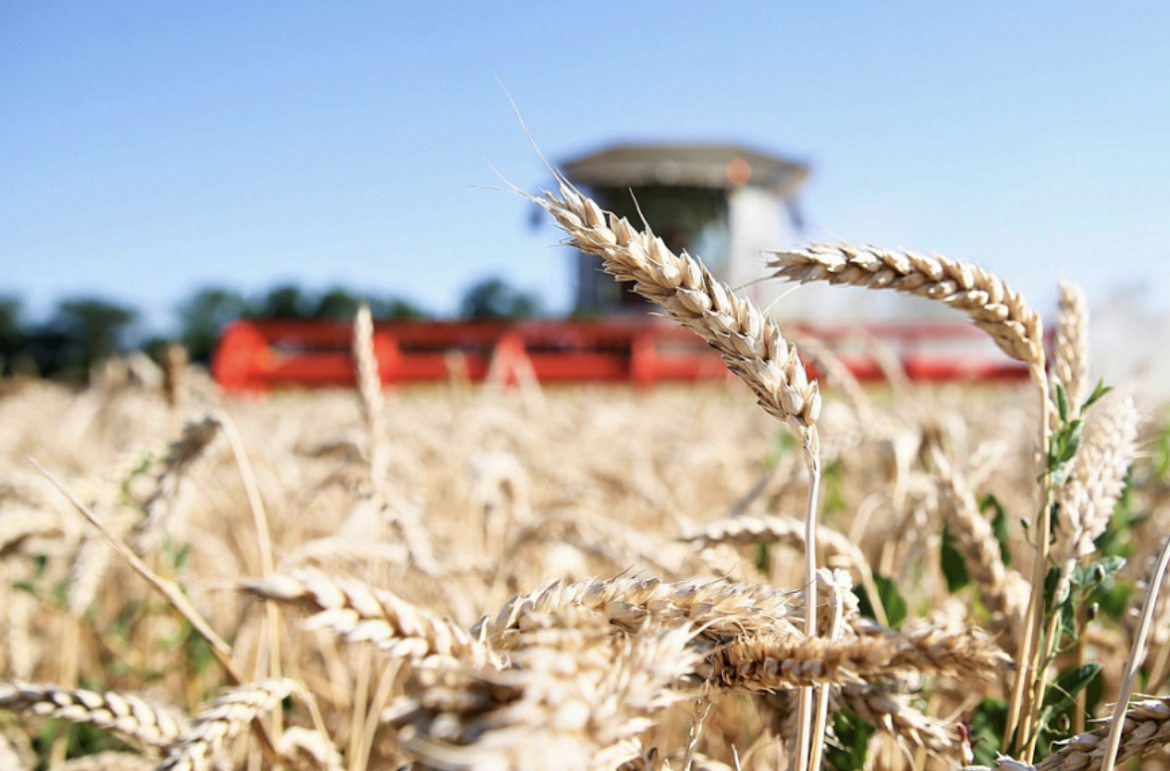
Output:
[[147, 149]]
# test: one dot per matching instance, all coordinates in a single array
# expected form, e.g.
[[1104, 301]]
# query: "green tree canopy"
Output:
[[493, 298]]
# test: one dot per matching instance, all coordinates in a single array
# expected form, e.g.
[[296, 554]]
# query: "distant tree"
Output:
[[492, 298], [11, 334], [203, 316], [396, 309], [287, 301], [336, 303], [81, 332]]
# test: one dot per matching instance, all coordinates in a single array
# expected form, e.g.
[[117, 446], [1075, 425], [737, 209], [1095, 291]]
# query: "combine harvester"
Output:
[[259, 356], [725, 202]]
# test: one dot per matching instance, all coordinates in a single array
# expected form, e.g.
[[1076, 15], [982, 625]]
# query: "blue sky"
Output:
[[147, 149]]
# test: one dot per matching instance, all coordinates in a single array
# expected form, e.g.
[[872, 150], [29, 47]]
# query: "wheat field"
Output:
[[459, 577]]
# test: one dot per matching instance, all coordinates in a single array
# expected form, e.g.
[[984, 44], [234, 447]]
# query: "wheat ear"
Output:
[[196, 748], [1070, 355], [987, 300], [750, 343], [129, 717], [361, 613]]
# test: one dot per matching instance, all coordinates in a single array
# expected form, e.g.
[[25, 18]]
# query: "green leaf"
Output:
[[1061, 402], [954, 567], [1089, 576], [1060, 695], [1072, 441], [891, 599], [1098, 392], [1000, 526], [988, 721], [763, 557], [848, 752], [1050, 582]]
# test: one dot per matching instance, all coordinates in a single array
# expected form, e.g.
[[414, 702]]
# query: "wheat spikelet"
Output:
[[715, 608], [576, 700], [1070, 358], [891, 712], [747, 530], [1003, 591], [1146, 730], [370, 388], [178, 457], [13, 758], [990, 303], [307, 750], [130, 718], [750, 343], [1088, 497], [782, 662], [20, 523], [197, 747], [361, 613]]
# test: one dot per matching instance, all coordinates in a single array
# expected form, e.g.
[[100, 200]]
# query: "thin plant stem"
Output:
[[264, 545], [804, 736], [1021, 709], [1136, 655], [178, 600]]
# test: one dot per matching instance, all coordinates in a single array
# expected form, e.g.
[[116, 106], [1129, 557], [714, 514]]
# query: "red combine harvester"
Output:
[[258, 356]]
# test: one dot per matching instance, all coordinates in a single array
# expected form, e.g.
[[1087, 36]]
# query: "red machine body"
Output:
[[257, 356]]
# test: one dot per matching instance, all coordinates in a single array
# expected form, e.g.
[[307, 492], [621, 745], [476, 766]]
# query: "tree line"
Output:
[[82, 331]]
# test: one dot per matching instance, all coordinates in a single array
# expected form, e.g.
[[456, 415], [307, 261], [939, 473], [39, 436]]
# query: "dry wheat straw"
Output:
[[129, 717], [197, 747], [1137, 655], [361, 613]]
